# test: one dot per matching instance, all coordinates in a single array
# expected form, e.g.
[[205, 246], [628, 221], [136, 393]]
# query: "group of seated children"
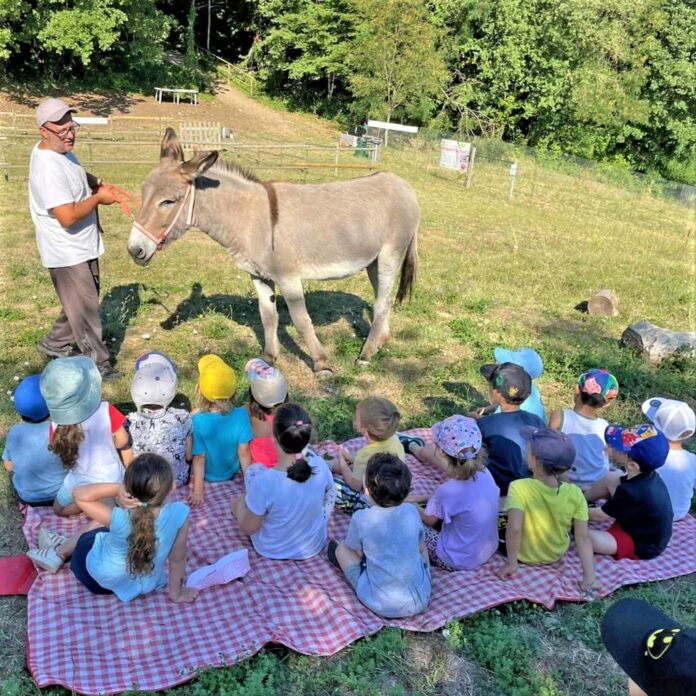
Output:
[[513, 485]]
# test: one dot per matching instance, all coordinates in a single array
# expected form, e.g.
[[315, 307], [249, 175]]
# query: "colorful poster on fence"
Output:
[[454, 154]]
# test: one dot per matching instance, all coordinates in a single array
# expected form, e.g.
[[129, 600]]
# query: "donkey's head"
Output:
[[168, 196]]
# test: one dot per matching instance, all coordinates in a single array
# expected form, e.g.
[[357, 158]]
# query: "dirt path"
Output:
[[250, 120]]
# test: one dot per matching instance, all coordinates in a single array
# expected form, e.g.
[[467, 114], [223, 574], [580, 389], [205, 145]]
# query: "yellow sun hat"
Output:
[[217, 380]]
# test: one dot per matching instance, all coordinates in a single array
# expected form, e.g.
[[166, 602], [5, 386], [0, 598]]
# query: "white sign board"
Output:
[[455, 154], [392, 126], [91, 120]]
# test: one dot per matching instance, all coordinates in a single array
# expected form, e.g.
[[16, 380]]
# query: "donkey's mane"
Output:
[[235, 169]]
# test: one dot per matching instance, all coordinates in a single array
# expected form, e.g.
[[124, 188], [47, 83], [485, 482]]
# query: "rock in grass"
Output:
[[657, 343], [604, 304]]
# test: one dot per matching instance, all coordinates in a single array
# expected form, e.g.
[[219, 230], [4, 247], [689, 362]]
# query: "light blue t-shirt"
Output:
[[396, 579], [532, 404], [38, 472], [218, 437], [295, 513], [107, 559]]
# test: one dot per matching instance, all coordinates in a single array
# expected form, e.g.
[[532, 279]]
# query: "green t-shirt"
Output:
[[548, 517]]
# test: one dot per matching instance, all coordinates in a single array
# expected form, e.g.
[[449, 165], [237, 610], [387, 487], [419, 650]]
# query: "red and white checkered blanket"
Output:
[[97, 644]]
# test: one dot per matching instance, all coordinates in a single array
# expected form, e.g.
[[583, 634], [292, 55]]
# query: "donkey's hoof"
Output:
[[324, 374], [362, 363]]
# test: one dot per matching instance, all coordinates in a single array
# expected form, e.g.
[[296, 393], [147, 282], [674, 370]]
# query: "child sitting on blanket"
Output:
[[286, 509], [530, 361], [267, 389], [36, 472], [156, 426], [677, 422], [638, 501], [125, 551], [467, 505], [510, 385], [383, 556], [377, 420], [541, 510], [86, 433], [595, 389], [221, 432]]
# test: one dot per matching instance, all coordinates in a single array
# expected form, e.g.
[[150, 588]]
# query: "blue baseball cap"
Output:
[[28, 400], [552, 448], [644, 444]]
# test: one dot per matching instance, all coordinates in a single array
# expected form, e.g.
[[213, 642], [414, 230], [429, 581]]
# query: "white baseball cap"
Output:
[[52, 110], [675, 419], [154, 384]]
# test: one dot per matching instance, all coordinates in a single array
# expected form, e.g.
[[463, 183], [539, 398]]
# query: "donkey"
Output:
[[283, 233]]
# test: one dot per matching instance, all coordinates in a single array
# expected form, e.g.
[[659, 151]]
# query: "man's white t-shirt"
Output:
[[55, 180]]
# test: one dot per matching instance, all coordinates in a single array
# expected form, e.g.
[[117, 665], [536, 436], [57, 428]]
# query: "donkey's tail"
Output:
[[409, 268]]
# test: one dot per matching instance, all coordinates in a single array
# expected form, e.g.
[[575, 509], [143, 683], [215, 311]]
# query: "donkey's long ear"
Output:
[[198, 165], [170, 150]]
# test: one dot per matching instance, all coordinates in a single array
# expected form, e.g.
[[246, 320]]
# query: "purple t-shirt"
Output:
[[469, 513]]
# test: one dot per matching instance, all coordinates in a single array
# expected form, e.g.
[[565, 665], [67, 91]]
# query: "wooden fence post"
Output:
[[470, 167], [513, 174]]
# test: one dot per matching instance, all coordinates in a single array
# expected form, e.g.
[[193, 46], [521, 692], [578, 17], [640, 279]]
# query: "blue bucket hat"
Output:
[[72, 389], [28, 400], [527, 358]]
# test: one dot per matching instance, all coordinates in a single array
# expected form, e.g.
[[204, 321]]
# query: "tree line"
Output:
[[608, 80]]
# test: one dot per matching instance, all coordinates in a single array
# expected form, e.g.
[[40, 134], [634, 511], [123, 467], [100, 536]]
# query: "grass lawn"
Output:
[[492, 272]]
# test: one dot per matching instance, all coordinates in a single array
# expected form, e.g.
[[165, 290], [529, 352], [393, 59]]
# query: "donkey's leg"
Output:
[[294, 298], [265, 289], [388, 263]]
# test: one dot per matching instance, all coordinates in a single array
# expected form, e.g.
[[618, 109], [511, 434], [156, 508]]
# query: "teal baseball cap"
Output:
[[72, 389]]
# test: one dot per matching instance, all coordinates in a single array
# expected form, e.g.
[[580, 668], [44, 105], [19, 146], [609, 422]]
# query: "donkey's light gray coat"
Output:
[[285, 233]]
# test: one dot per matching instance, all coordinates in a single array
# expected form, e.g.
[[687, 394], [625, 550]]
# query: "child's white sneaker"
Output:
[[49, 539], [46, 559]]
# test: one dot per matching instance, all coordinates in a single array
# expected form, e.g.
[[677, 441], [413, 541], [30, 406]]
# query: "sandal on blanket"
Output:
[[406, 442], [331, 553]]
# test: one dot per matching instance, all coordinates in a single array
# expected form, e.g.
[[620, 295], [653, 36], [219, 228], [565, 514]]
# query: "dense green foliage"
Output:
[[611, 80]]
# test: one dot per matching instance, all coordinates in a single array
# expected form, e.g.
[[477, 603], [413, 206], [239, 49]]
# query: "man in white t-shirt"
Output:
[[63, 202]]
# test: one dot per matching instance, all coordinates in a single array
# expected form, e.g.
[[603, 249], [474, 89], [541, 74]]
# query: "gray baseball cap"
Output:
[[52, 110]]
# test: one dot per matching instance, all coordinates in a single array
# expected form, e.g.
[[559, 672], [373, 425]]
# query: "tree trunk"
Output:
[[657, 343], [604, 304]]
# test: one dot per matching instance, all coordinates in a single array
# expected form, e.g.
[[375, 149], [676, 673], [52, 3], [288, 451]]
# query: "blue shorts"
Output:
[[78, 562], [354, 572]]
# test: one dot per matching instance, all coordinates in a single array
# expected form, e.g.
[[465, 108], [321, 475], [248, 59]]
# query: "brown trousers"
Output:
[[79, 322]]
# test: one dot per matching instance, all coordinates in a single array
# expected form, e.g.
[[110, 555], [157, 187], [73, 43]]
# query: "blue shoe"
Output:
[[406, 442]]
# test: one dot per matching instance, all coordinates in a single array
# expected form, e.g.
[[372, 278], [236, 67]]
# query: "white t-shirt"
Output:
[[587, 435], [55, 180], [97, 458], [296, 513], [679, 475]]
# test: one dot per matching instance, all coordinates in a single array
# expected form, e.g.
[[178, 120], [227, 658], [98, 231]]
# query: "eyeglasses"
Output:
[[63, 132]]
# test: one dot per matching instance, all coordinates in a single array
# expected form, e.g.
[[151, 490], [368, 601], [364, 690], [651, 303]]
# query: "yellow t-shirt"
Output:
[[391, 446], [548, 517]]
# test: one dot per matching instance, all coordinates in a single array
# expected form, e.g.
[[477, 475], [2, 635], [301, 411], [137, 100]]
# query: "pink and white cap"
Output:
[[458, 436]]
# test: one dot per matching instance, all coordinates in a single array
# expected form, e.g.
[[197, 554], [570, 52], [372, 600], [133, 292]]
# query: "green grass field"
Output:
[[492, 272]]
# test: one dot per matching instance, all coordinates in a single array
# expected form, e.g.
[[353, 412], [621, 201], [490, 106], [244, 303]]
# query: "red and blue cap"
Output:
[[644, 444]]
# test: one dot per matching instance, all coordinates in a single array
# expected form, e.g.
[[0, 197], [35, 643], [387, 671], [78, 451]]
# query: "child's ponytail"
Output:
[[148, 479], [66, 443], [292, 429]]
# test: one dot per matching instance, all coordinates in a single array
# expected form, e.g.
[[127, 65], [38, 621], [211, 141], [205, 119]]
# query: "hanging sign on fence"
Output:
[[455, 154]]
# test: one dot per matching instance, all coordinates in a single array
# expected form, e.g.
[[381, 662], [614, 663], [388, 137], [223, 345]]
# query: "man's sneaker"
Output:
[[406, 442], [63, 352], [46, 559], [109, 372], [49, 539]]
